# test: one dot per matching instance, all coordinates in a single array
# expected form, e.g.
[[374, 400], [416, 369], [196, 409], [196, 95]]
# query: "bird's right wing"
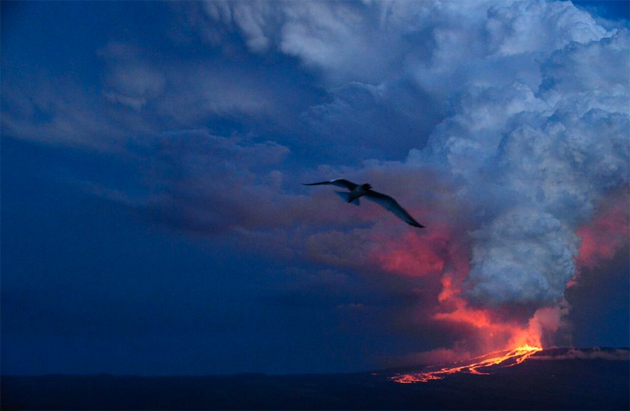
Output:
[[339, 182], [392, 205]]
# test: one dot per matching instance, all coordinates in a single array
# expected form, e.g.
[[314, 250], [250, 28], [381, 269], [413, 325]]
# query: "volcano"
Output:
[[483, 365], [561, 378]]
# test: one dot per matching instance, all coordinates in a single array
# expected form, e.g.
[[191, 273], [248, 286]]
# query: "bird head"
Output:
[[366, 186]]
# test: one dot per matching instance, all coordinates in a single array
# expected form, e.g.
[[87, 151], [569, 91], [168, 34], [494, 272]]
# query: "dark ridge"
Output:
[[591, 382], [564, 351]]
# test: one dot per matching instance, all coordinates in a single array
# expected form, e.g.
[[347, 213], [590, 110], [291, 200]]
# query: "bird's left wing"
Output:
[[339, 182], [392, 205]]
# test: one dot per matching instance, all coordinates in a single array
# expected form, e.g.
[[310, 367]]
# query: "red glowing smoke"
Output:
[[604, 236], [439, 253], [416, 254]]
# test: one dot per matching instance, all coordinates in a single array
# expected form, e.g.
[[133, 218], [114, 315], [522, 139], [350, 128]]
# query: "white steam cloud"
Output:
[[537, 162]]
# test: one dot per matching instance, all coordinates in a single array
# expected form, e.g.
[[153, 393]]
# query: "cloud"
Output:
[[534, 171], [524, 148], [557, 24], [200, 93], [501, 125], [589, 76], [520, 257], [59, 112], [187, 92], [426, 39], [605, 234], [131, 81], [520, 150], [358, 116], [341, 249], [209, 184], [527, 169]]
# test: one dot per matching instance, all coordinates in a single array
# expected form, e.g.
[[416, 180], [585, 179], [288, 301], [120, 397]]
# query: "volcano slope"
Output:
[[550, 379]]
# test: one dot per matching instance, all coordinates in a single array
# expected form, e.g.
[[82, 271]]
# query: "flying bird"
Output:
[[357, 191]]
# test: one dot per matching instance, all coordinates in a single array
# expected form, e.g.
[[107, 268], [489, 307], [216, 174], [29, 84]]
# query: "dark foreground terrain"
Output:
[[562, 382]]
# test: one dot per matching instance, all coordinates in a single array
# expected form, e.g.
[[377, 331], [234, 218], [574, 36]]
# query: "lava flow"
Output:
[[480, 365]]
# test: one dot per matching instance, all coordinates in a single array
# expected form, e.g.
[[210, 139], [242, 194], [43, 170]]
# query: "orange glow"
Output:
[[508, 342], [482, 365], [491, 339], [498, 334]]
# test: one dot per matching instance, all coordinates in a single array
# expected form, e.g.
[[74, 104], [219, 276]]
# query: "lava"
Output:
[[482, 365]]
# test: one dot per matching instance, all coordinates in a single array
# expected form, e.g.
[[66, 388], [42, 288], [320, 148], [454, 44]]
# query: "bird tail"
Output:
[[346, 198]]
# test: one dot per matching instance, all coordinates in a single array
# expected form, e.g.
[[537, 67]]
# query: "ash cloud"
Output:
[[536, 171]]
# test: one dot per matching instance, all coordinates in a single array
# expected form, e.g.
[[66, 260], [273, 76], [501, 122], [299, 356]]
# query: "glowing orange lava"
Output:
[[480, 365]]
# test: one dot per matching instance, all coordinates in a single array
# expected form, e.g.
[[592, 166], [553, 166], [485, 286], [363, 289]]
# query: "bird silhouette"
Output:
[[357, 191]]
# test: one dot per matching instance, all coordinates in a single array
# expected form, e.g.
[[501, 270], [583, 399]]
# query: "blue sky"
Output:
[[153, 220]]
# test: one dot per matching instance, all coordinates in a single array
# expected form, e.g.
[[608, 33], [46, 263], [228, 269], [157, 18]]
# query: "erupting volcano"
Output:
[[490, 334], [482, 365]]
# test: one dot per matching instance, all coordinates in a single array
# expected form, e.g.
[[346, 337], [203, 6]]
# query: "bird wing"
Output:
[[392, 205], [339, 182]]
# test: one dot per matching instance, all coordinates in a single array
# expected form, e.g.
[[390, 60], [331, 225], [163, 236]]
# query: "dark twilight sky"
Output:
[[153, 220]]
